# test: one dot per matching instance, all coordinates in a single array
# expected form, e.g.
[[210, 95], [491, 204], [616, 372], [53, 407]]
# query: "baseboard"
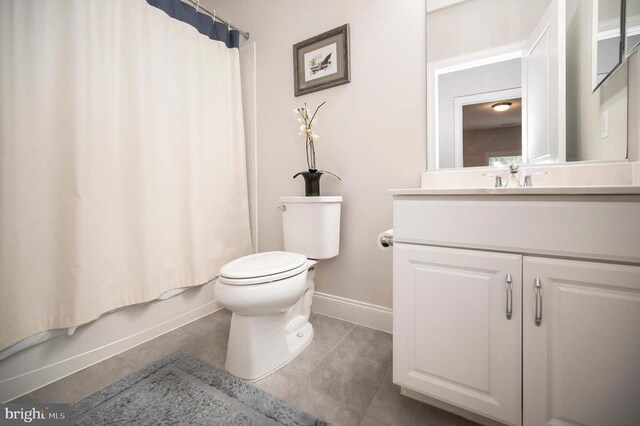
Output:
[[362, 313], [21, 384]]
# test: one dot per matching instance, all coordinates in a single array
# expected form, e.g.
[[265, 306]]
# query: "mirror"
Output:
[[491, 130], [537, 56], [606, 39], [632, 25]]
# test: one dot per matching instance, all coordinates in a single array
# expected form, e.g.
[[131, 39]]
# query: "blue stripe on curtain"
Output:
[[201, 22]]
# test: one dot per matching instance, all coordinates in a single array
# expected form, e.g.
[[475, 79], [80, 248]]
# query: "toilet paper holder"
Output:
[[386, 240]]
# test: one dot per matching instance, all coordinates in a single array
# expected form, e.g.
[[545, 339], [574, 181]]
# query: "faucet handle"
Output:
[[528, 179], [498, 182]]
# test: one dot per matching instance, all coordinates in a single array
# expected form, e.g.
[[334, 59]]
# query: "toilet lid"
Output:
[[264, 265]]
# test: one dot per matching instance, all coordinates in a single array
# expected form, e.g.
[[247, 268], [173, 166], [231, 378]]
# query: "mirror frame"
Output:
[[636, 47], [594, 45]]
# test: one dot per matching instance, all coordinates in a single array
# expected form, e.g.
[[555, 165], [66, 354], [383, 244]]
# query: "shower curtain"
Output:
[[122, 163]]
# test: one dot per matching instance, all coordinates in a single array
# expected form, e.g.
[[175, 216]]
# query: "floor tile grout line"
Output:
[[390, 371], [332, 348], [364, 413], [125, 360], [374, 394], [195, 335], [366, 359], [348, 333], [199, 319]]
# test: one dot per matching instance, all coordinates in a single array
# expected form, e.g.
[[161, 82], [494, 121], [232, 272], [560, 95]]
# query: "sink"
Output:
[[545, 175]]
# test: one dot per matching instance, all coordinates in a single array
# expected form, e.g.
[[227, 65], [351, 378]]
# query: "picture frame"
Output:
[[322, 61]]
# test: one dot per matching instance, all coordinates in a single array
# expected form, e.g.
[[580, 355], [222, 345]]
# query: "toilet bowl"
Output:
[[270, 294]]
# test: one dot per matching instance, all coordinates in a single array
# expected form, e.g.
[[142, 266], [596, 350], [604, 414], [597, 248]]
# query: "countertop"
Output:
[[541, 190]]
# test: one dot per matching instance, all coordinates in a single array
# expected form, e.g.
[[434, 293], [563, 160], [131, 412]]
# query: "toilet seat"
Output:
[[263, 268]]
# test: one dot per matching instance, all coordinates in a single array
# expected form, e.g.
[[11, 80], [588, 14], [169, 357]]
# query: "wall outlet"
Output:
[[604, 124]]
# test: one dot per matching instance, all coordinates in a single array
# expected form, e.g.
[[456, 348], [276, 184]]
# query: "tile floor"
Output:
[[344, 376]]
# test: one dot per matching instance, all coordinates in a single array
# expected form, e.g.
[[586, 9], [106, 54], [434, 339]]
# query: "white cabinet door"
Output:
[[452, 338], [581, 363]]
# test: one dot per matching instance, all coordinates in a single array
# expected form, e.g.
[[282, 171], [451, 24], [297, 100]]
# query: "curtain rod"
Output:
[[215, 16]]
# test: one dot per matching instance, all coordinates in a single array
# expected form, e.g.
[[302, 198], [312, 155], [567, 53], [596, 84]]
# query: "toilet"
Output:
[[270, 294]]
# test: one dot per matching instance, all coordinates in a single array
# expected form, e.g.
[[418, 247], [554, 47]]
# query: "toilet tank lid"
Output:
[[321, 199], [262, 264]]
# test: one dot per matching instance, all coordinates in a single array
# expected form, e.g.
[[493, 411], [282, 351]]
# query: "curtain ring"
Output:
[[197, 6]]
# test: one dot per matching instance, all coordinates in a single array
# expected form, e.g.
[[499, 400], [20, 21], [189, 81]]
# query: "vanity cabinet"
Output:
[[514, 320]]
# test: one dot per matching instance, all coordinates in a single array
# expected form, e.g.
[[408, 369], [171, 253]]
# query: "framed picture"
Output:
[[322, 61]]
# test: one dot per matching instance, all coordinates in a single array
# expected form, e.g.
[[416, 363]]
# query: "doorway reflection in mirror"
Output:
[[492, 133]]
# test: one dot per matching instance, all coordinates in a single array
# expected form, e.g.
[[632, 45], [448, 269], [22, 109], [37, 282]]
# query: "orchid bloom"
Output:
[[306, 120]]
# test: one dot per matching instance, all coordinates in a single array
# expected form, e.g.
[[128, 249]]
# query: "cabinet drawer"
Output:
[[590, 228]]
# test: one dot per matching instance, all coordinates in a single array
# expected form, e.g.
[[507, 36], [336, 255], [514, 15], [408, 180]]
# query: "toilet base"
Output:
[[258, 346]]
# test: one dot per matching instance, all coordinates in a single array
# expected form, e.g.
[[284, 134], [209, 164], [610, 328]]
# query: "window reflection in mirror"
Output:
[[492, 133]]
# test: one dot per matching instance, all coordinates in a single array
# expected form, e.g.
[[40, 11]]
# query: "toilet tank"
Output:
[[311, 225]]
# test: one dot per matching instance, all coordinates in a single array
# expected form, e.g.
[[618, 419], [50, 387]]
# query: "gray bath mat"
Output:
[[182, 390]]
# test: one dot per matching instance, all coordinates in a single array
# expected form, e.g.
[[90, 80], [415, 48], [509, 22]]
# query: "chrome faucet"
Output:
[[528, 179], [498, 181]]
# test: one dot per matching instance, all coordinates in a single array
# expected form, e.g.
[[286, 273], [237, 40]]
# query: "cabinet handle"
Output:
[[537, 285], [509, 287]]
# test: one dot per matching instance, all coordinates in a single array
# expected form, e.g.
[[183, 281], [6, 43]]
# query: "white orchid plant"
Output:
[[307, 121]]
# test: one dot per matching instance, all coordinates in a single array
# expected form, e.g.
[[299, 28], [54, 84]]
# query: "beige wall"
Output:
[[372, 131], [486, 24], [584, 107]]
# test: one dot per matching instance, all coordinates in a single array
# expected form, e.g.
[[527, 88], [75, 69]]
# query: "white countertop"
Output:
[[541, 190]]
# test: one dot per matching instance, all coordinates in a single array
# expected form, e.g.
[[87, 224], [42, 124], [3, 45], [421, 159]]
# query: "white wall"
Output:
[[372, 130], [584, 107], [477, 25]]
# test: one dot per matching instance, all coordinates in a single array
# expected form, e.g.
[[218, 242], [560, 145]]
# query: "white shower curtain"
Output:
[[122, 163]]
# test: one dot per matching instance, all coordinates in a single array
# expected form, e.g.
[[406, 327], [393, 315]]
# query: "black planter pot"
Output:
[[311, 182]]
